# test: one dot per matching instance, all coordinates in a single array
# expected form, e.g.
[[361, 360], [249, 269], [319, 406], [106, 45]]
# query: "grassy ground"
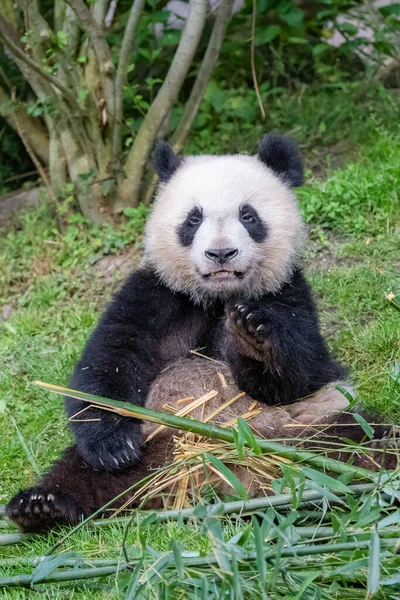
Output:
[[53, 286]]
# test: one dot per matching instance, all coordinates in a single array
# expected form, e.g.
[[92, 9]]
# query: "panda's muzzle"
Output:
[[221, 257]]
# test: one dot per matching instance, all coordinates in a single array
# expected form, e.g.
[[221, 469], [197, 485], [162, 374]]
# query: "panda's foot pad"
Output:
[[38, 510], [251, 326]]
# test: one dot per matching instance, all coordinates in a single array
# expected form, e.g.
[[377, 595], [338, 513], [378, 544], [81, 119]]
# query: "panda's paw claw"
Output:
[[250, 318], [117, 451], [37, 510]]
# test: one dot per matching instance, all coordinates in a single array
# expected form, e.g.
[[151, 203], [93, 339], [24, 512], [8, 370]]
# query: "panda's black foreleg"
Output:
[[120, 361], [105, 440], [276, 352]]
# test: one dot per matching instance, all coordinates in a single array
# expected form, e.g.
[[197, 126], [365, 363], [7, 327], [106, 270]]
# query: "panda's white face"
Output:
[[223, 226]]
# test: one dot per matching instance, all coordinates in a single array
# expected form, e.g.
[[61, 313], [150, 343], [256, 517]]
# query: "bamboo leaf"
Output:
[[260, 551], [227, 474], [308, 580], [390, 519], [177, 551], [347, 394], [374, 564], [133, 591], [239, 438], [28, 453], [325, 480], [213, 528], [366, 427], [391, 580], [50, 564], [237, 588], [156, 569], [249, 436]]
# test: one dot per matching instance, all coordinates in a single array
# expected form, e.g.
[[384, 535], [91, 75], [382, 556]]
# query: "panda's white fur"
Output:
[[220, 185]]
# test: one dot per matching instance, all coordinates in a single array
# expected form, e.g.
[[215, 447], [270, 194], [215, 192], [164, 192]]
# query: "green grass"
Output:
[[56, 292]]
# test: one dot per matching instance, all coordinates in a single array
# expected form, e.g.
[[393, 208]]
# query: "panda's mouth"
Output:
[[223, 275]]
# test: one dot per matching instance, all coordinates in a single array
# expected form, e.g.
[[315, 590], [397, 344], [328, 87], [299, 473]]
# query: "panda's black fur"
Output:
[[271, 343]]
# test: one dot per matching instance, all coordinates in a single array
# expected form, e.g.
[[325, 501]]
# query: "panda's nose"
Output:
[[221, 255]]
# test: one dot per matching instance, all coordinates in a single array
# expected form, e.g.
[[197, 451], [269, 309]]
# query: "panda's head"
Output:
[[226, 226]]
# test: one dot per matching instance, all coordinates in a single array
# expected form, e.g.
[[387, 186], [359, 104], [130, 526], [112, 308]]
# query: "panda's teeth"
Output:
[[221, 273]]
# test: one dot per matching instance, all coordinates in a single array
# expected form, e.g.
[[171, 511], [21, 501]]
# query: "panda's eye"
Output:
[[248, 215], [194, 220], [253, 223], [188, 229]]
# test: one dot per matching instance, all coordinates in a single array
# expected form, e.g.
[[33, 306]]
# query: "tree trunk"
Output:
[[57, 164], [87, 192], [124, 60], [34, 133]]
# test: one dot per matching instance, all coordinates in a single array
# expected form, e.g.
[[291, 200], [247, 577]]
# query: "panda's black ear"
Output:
[[283, 157], [165, 161]]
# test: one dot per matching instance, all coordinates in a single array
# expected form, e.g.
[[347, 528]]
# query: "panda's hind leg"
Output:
[[69, 492]]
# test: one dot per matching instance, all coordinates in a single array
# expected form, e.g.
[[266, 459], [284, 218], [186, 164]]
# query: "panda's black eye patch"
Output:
[[189, 227], [252, 222]]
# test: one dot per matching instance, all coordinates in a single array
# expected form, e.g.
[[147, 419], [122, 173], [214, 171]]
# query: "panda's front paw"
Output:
[[37, 510], [251, 327], [114, 449]]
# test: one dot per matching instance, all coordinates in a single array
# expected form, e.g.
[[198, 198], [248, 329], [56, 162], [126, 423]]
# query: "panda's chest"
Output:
[[197, 330]]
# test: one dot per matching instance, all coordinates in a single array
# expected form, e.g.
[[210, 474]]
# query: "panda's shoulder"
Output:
[[145, 294], [297, 290]]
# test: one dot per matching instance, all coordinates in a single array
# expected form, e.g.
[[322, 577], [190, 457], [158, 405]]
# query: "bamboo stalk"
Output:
[[69, 562], [211, 431], [238, 506], [57, 576], [241, 507], [310, 533], [6, 539], [196, 561]]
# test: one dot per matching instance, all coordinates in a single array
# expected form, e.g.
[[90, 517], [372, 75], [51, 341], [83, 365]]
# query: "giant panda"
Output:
[[221, 275]]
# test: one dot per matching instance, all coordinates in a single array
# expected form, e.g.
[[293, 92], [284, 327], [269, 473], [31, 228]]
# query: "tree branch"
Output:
[[66, 20], [40, 86], [207, 66], [99, 9], [22, 56], [95, 34], [199, 87], [124, 59], [163, 102], [252, 52], [35, 135], [39, 26], [33, 156], [110, 13], [7, 10], [101, 49]]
